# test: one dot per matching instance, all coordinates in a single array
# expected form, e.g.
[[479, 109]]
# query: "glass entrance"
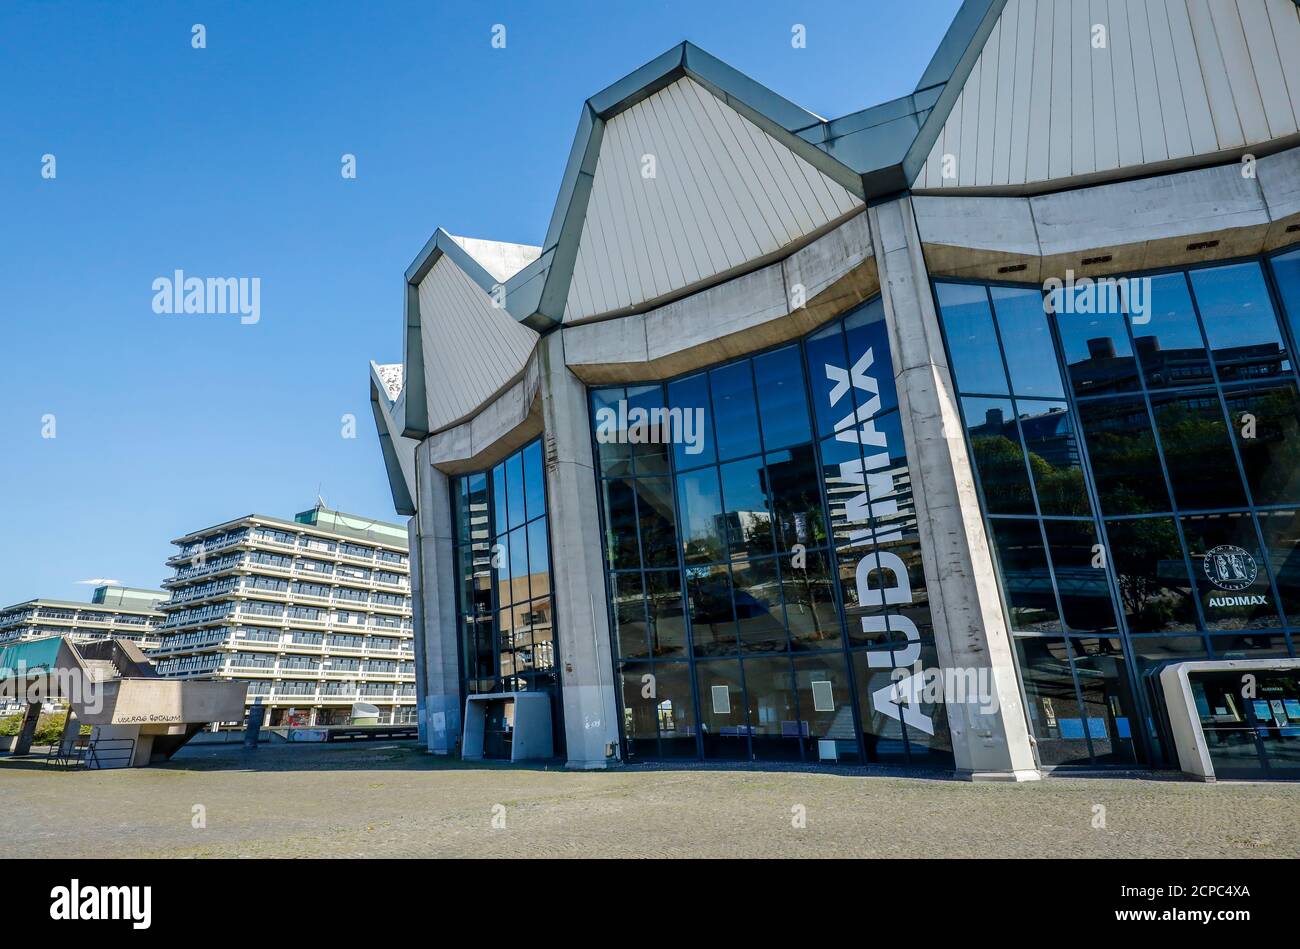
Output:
[[1251, 723]]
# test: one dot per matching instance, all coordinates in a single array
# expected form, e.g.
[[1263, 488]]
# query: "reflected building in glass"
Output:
[[832, 443]]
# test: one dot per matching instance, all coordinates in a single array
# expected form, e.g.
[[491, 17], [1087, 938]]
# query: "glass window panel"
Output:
[[972, 341], [1197, 451], [620, 523], [650, 449], [1122, 450], [724, 725], [734, 410], [1108, 705], [1031, 357], [501, 522], [845, 491], [542, 628], [998, 456], [1281, 530], [864, 614], [825, 350], [825, 705], [864, 329], [534, 481], [1054, 715], [539, 558], [810, 603], [1239, 321], [1026, 582], [929, 742], [666, 614], [658, 531], [748, 509], [1230, 572], [1249, 645], [1154, 590], [782, 399], [913, 603], [792, 480], [518, 553], [700, 501], [1054, 458], [515, 490], [629, 615], [501, 564], [1266, 426], [1286, 269], [674, 709], [758, 605], [713, 626], [879, 718], [613, 453], [1150, 655], [689, 397], [506, 642], [774, 715], [893, 508], [640, 727], [1097, 352], [1079, 566], [1169, 344]]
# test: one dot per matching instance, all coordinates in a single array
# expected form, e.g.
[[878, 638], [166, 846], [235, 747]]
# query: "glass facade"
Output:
[[764, 568], [1135, 446], [503, 558]]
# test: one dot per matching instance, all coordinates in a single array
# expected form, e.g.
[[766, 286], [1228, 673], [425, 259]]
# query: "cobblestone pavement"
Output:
[[391, 800]]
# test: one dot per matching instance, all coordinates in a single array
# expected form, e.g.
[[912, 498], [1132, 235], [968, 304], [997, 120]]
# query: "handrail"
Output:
[[93, 759]]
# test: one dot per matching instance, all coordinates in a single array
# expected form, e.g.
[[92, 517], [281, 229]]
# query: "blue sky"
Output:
[[225, 161]]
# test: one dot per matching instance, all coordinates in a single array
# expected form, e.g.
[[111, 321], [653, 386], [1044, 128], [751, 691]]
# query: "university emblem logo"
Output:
[[1230, 567]]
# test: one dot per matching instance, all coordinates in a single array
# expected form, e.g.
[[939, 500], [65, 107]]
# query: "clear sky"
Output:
[[225, 161]]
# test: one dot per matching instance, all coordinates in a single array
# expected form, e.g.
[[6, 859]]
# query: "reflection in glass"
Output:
[[1026, 582], [810, 603], [972, 341], [1239, 321], [882, 732], [1031, 357], [758, 605], [629, 615], [1097, 352], [620, 523], [650, 451], [691, 395], [1266, 425], [1202, 467], [1054, 460], [998, 456], [748, 509], [1103, 681], [654, 505], [734, 410], [797, 504], [1122, 450], [666, 614], [1079, 565], [539, 558], [825, 705], [782, 401], [1286, 270], [1054, 715], [534, 481], [864, 330], [640, 731], [1169, 345], [674, 710], [1230, 572], [1154, 588], [614, 454], [825, 350], [1281, 530], [700, 501], [708, 593]]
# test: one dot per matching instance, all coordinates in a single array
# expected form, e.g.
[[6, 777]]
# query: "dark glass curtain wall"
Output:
[[503, 558], [1136, 452], [742, 507]]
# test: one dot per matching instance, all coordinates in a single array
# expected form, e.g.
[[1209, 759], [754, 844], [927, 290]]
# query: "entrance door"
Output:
[[1251, 725], [498, 729]]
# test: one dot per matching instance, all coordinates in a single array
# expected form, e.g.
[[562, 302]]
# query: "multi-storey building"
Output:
[[314, 613], [113, 612]]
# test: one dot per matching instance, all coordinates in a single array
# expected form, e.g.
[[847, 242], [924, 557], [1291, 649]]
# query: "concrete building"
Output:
[[815, 439], [314, 614], [114, 612]]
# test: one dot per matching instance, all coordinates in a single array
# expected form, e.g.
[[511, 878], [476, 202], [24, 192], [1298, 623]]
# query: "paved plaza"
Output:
[[392, 800]]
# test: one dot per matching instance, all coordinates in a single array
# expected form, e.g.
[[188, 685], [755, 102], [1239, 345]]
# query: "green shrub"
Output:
[[10, 725]]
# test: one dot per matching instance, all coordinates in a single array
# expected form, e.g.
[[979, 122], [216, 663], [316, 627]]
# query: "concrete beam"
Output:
[[970, 629]]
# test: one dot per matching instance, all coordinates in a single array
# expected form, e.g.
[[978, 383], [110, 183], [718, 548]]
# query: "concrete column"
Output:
[[23, 746], [437, 625], [581, 616], [417, 624], [969, 626], [71, 729]]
